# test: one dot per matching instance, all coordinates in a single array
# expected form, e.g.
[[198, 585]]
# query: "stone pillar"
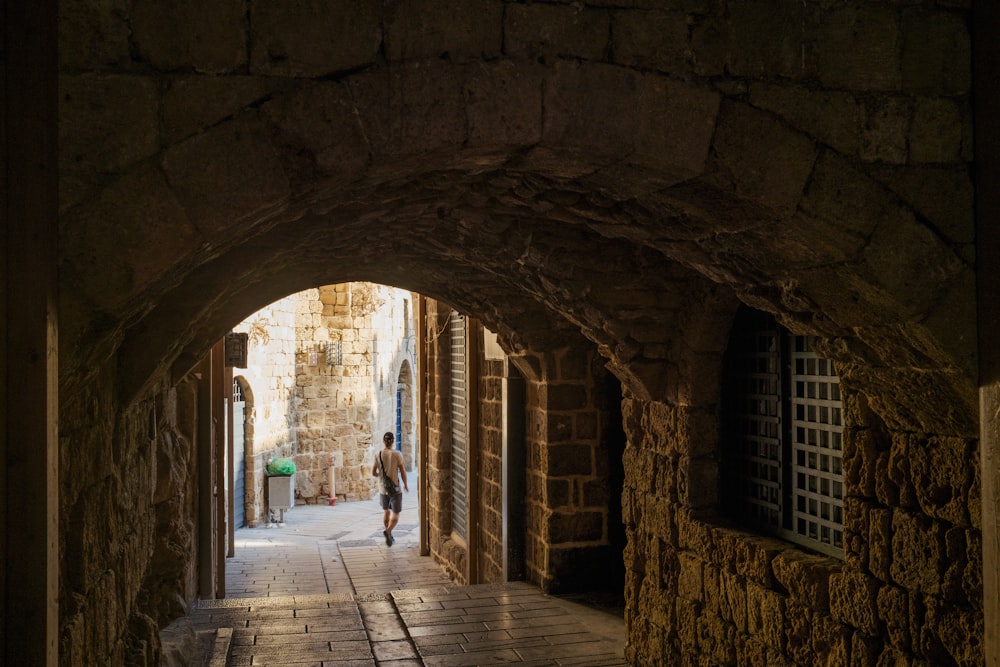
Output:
[[986, 68], [28, 305]]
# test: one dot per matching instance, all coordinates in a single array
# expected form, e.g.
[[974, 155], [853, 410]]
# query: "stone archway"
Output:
[[546, 179]]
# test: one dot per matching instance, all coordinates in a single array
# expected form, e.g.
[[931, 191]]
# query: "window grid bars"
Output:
[[817, 448]]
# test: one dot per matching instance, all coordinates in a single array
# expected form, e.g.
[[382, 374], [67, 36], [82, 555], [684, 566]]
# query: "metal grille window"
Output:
[[459, 451], [783, 430]]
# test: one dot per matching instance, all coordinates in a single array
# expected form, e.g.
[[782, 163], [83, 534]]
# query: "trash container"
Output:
[[281, 492]]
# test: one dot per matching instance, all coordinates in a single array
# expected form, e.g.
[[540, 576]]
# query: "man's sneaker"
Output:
[[388, 537], [390, 540]]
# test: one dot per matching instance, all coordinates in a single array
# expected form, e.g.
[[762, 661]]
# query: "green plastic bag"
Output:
[[280, 467]]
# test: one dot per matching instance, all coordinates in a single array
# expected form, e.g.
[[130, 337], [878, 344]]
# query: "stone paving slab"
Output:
[[326, 590]]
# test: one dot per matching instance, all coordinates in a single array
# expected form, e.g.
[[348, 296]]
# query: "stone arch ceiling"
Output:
[[550, 197]]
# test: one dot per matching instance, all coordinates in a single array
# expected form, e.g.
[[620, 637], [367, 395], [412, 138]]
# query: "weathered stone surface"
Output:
[[228, 176], [571, 109], [536, 30], [206, 37], [918, 552], [651, 40], [444, 28], [853, 601], [193, 103], [322, 121], [951, 634], [766, 616], [302, 38], [137, 210], [805, 577], [563, 199], [935, 56], [883, 138], [857, 48], [757, 165], [516, 92], [676, 125], [832, 117], [936, 132], [93, 34], [107, 121], [940, 480]]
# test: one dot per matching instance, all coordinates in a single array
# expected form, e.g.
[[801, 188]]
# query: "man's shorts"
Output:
[[394, 503]]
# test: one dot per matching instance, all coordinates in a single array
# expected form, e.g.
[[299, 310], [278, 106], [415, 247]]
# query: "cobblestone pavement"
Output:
[[325, 589]]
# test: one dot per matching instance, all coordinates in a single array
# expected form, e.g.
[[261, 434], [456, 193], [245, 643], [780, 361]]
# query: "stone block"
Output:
[[937, 131], [322, 121], [697, 482], [866, 651], [687, 613], [936, 52], [227, 176], [941, 478], [951, 634], [576, 527], [94, 34], [570, 459], [918, 552], [751, 652], [690, 580], [191, 35], [766, 619], [880, 542], [301, 38], [853, 601], [575, 118], [107, 122], [856, 48], [565, 397], [193, 103], [558, 492], [845, 201], [765, 38], [760, 158], [133, 212], [454, 29], [733, 599], [884, 134], [697, 432], [894, 610], [535, 31], [830, 640], [806, 577], [716, 639], [799, 633], [656, 40], [833, 118]]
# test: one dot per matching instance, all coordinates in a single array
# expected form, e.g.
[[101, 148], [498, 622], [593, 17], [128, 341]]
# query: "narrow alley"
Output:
[[324, 589]]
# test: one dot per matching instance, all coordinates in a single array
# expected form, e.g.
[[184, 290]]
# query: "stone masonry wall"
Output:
[[325, 389], [567, 482], [909, 587], [491, 428], [531, 160], [269, 386]]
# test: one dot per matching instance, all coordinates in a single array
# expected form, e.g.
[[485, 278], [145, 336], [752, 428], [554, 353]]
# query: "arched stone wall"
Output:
[[548, 168]]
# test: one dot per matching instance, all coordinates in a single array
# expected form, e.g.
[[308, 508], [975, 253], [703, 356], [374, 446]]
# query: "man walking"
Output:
[[389, 464]]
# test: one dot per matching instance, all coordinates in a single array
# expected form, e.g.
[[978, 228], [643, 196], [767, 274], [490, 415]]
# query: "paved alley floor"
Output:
[[325, 589]]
